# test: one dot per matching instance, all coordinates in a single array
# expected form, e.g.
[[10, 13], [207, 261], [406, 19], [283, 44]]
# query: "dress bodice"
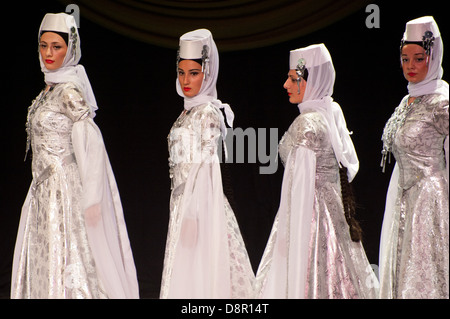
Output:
[[50, 121], [418, 143], [193, 139], [310, 130]]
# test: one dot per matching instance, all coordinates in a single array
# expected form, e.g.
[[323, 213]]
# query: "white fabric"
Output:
[[55, 22], [433, 83], [319, 88], [70, 71], [202, 238], [313, 55], [105, 224], [21, 231], [389, 231], [208, 92], [282, 272], [191, 44]]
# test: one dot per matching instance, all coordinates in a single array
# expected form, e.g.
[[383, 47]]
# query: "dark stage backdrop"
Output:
[[134, 82]]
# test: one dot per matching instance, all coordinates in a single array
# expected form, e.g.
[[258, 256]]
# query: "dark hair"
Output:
[[348, 200], [305, 74], [63, 35], [199, 61]]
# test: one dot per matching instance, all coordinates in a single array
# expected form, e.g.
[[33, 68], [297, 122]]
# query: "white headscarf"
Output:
[[433, 83], [70, 71], [319, 88], [191, 47]]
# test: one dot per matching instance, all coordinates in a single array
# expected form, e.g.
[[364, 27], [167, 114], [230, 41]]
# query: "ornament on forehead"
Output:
[[74, 38], [428, 41], [205, 61], [301, 66], [300, 71]]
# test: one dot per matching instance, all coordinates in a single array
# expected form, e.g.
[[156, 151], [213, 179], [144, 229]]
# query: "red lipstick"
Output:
[[412, 74], [186, 89], [49, 61]]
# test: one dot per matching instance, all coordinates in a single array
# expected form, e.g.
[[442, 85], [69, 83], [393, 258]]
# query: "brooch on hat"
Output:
[[73, 36], [428, 41], [205, 60], [300, 69]]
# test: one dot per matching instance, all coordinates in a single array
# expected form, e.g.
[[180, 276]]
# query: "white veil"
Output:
[[319, 88]]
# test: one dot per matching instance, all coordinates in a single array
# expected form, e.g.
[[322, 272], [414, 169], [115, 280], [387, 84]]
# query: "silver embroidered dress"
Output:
[[56, 261], [205, 254], [72, 240], [63, 250], [415, 239], [333, 265]]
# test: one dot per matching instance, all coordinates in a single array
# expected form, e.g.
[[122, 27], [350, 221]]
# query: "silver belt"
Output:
[[50, 169]]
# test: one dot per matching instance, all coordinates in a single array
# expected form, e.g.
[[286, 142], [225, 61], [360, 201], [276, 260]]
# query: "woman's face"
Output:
[[53, 49], [292, 88], [190, 76], [414, 63]]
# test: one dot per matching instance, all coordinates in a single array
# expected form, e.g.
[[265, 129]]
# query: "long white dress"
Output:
[[72, 240], [309, 253], [205, 254]]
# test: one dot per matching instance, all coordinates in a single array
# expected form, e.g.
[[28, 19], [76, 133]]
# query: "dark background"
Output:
[[134, 84]]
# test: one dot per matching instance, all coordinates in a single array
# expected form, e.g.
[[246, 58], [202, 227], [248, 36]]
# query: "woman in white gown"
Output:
[[72, 240], [414, 248], [314, 249], [205, 254]]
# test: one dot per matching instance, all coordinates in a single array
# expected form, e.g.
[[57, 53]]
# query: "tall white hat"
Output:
[[313, 55], [423, 30], [192, 44], [416, 29], [196, 45], [56, 22]]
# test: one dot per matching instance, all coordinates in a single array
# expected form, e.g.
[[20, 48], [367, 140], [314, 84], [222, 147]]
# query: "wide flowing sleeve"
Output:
[[21, 233], [441, 123], [201, 266], [389, 233], [104, 219], [283, 268]]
